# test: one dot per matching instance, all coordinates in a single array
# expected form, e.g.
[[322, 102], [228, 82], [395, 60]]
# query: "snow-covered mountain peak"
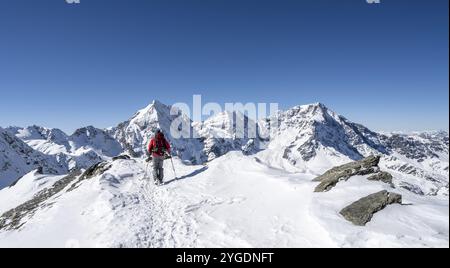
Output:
[[314, 133], [46, 140], [87, 132], [135, 133], [227, 120], [156, 116], [316, 112], [306, 137], [17, 158], [35, 132], [30, 133], [259, 175], [99, 140], [153, 109]]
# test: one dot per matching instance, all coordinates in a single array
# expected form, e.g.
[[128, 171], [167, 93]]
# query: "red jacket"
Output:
[[157, 146]]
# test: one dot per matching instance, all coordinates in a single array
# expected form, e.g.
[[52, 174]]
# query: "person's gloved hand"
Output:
[[167, 156], [148, 159]]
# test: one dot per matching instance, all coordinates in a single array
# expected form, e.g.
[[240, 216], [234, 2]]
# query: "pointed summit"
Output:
[[135, 133]]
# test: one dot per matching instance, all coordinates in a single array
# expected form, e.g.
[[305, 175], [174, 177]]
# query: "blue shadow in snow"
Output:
[[190, 175]]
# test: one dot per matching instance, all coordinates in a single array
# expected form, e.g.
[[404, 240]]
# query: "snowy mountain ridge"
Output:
[[309, 138], [304, 181], [135, 133], [17, 159], [313, 138], [85, 147]]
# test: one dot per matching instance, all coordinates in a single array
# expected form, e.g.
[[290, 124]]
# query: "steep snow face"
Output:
[[314, 133], [96, 139], [423, 158], [37, 133], [228, 131], [418, 146], [313, 138], [309, 138], [82, 149], [135, 133], [17, 159], [48, 141], [234, 201]]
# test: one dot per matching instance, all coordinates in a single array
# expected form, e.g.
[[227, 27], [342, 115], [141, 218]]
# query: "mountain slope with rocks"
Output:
[[318, 180], [85, 147], [17, 159], [312, 138], [230, 202], [309, 138], [228, 131]]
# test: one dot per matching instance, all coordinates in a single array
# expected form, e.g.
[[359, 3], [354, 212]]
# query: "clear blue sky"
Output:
[[96, 63]]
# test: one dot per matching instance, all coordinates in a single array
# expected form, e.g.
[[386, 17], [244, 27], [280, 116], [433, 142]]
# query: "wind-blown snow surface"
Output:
[[234, 201], [24, 189]]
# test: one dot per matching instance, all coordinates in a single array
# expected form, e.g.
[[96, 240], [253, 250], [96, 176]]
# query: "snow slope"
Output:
[[234, 201], [312, 138], [85, 147], [17, 159], [233, 191], [24, 189]]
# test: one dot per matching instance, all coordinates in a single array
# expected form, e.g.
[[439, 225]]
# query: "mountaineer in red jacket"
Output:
[[159, 149]]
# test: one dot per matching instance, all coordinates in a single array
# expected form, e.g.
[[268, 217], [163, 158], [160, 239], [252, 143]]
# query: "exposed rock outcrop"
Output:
[[412, 188], [361, 211], [330, 178], [17, 159], [91, 172], [382, 176], [13, 219], [121, 157], [16, 218]]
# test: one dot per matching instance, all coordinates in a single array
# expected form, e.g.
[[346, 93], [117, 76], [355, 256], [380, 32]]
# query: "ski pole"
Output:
[[146, 170], [173, 167]]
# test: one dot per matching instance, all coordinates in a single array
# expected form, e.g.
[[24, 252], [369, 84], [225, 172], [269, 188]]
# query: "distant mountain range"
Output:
[[309, 138]]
